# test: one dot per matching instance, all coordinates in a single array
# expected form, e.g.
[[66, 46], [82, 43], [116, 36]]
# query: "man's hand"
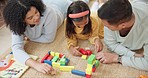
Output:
[[106, 57]]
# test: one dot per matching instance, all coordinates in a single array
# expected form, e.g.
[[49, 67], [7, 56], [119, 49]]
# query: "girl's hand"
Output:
[[75, 51], [98, 45]]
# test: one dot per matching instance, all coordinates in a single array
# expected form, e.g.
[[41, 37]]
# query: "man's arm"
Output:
[[137, 62]]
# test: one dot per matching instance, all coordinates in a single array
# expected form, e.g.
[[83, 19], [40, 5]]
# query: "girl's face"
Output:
[[32, 16], [82, 23]]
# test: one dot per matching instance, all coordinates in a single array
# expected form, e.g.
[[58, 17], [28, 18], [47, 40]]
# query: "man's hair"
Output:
[[116, 11], [15, 12], [77, 7]]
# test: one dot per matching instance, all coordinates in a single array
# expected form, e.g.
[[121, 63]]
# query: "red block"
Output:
[[81, 50], [89, 52], [44, 58], [50, 57], [88, 76], [61, 55], [93, 69]]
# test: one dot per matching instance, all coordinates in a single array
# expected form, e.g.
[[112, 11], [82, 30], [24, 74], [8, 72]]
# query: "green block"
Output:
[[91, 58], [62, 64], [55, 58], [96, 63], [62, 60]]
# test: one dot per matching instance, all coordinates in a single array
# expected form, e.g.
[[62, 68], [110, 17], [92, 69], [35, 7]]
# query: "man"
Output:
[[125, 33]]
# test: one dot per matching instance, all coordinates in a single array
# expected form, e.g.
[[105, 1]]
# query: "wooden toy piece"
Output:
[[96, 63], [62, 61], [89, 52], [89, 66], [49, 57], [49, 52], [78, 72], [81, 50], [55, 58], [61, 55], [88, 71], [44, 58], [87, 48], [91, 59], [52, 53], [55, 64], [88, 76], [66, 68], [57, 54], [93, 69], [84, 57], [67, 61], [142, 76], [48, 62]]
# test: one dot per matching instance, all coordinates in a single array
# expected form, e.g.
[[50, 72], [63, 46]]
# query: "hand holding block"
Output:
[[81, 50]]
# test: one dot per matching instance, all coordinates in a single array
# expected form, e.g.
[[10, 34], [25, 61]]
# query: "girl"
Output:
[[80, 25], [31, 18]]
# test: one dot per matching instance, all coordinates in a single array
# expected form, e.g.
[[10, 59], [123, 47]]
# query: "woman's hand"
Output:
[[75, 51], [41, 67], [98, 45]]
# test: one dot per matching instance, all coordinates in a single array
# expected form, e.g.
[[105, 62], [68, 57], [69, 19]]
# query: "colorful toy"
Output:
[[57, 60], [45, 57], [60, 61], [78, 72], [85, 52]]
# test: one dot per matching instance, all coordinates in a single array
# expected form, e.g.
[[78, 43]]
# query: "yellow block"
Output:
[[66, 68], [55, 64], [84, 57], [88, 71], [57, 54], [52, 53], [89, 66]]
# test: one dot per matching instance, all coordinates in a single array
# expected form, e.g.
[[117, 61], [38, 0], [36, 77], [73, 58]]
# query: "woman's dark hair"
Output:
[[15, 11], [116, 11], [77, 7]]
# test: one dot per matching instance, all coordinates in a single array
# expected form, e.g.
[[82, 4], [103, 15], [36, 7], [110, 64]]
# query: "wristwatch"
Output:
[[119, 59]]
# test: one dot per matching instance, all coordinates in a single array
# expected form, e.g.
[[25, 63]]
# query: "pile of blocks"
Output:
[[60, 61], [57, 60]]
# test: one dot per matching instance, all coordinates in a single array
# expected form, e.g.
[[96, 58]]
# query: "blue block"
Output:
[[48, 62], [78, 72], [67, 61], [49, 52]]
